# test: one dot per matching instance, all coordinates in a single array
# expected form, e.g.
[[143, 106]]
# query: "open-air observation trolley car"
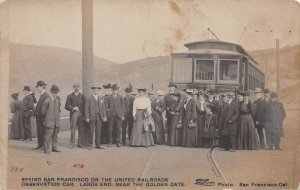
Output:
[[216, 65]]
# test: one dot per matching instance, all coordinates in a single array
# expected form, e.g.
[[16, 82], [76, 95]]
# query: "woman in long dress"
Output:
[[175, 132], [247, 138], [17, 129], [141, 109], [33, 119], [190, 120], [157, 111], [200, 107]]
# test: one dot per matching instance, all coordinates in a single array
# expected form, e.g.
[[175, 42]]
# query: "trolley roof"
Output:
[[215, 47]]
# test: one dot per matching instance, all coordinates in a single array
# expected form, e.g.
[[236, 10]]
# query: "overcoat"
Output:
[[231, 114], [279, 115], [50, 112]]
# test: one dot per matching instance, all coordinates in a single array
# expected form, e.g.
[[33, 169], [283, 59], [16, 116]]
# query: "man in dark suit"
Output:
[[41, 88], [75, 105], [116, 113], [276, 131], [128, 118], [27, 106], [95, 116], [104, 129], [268, 120], [229, 128], [169, 101], [51, 113], [259, 105]]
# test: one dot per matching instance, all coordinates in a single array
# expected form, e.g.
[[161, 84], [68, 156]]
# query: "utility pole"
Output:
[[87, 46], [277, 67], [87, 53]]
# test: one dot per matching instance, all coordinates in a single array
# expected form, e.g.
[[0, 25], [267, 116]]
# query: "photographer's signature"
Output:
[[204, 182]]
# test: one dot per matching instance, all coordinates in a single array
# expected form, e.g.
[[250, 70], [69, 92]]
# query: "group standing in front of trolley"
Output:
[[194, 118]]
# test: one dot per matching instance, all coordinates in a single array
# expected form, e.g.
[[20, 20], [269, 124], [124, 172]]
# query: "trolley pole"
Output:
[[87, 46], [277, 67]]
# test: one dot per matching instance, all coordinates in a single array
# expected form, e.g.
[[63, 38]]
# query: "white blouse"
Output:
[[141, 103]]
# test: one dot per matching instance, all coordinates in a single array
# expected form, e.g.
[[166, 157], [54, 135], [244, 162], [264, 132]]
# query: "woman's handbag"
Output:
[[149, 123], [192, 125], [179, 125]]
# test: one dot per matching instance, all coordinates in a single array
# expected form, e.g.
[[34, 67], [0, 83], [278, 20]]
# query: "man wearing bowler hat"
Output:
[[27, 107], [268, 118], [116, 114], [95, 116], [276, 131], [258, 116], [75, 105], [104, 129], [41, 88], [229, 127], [51, 114], [128, 117]]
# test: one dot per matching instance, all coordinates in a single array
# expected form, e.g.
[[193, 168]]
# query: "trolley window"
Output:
[[204, 70], [228, 70]]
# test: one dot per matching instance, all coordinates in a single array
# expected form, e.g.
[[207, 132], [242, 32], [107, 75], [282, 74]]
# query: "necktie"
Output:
[[98, 103], [54, 102]]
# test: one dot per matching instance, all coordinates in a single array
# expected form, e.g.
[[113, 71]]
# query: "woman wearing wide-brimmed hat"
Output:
[[160, 106], [17, 130], [190, 120], [247, 137], [140, 135], [200, 107], [175, 131]]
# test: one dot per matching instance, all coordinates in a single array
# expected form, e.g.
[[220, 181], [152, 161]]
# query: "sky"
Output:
[[127, 30]]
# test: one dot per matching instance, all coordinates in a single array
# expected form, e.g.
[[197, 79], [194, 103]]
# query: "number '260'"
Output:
[[16, 169]]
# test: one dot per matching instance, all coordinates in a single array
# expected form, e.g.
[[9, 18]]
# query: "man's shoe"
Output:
[[99, 147], [118, 145], [278, 148], [55, 150], [232, 150], [89, 148], [109, 144], [79, 146], [38, 147], [72, 146]]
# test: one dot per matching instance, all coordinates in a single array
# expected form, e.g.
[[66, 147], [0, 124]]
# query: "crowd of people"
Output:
[[194, 118]]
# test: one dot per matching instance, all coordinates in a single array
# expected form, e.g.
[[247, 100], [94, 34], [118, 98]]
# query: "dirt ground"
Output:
[[181, 166]]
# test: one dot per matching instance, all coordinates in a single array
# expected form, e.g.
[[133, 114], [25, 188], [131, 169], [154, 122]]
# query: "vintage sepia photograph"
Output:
[[140, 94]]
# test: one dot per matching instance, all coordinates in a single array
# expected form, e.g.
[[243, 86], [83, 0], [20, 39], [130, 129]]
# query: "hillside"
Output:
[[54, 65], [61, 66], [289, 58]]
